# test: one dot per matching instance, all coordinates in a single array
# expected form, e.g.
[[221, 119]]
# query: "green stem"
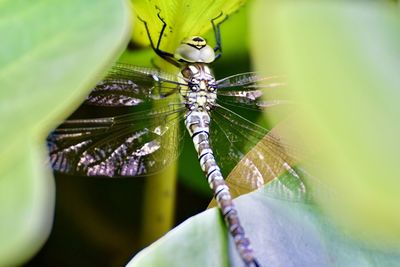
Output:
[[159, 203]]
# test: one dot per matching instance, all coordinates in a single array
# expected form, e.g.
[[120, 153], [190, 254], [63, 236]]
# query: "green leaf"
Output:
[[199, 241], [184, 18], [181, 26], [282, 232], [52, 53], [342, 62]]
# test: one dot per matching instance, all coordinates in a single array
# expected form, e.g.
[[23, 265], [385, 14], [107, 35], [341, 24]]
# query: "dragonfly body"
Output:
[[200, 99]]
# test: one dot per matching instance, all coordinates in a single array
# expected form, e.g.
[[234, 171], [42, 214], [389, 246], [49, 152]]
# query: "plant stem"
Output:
[[159, 202]]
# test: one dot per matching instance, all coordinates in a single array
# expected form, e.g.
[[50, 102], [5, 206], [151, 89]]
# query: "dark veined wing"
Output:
[[262, 156], [250, 91], [134, 144], [128, 85]]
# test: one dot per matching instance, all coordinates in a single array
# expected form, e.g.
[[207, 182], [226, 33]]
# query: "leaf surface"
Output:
[[52, 53]]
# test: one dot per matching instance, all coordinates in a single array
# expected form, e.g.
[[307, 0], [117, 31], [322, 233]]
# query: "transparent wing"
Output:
[[135, 144], [262, 155], [250, 91], [128, 85]]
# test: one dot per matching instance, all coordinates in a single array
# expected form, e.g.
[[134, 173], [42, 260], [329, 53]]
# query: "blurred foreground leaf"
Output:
[[342, 60], [283, 233], [51, 52]]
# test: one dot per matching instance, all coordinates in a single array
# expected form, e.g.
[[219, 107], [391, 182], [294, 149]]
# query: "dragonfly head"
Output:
[[194, 50]]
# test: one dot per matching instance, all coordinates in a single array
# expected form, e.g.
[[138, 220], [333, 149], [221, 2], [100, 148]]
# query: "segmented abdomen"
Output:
[[197, 123]]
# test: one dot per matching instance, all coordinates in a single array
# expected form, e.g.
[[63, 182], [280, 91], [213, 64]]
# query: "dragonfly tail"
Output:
[[197, 124]]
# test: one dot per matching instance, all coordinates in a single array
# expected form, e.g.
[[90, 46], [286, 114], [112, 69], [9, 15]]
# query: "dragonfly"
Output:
[[144, 141]]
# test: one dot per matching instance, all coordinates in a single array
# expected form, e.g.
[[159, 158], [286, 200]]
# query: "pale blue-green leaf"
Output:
[[199, 241], [283, 233], [51, 54]]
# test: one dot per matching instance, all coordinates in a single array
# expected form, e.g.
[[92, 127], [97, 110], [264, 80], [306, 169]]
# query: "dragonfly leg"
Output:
[[217, 35], [163, 54]]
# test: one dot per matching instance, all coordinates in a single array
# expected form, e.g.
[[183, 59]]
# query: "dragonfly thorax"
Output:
[[194, 49], [200, 94]]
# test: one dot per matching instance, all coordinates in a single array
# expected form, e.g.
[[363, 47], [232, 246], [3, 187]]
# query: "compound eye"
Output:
[[186, 73]]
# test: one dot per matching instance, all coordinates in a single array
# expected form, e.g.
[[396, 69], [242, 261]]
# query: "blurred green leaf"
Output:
[[283, 233], [51, 54], [342, 60]]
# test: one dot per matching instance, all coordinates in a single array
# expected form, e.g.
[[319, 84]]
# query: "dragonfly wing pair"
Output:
[[144, 142]]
